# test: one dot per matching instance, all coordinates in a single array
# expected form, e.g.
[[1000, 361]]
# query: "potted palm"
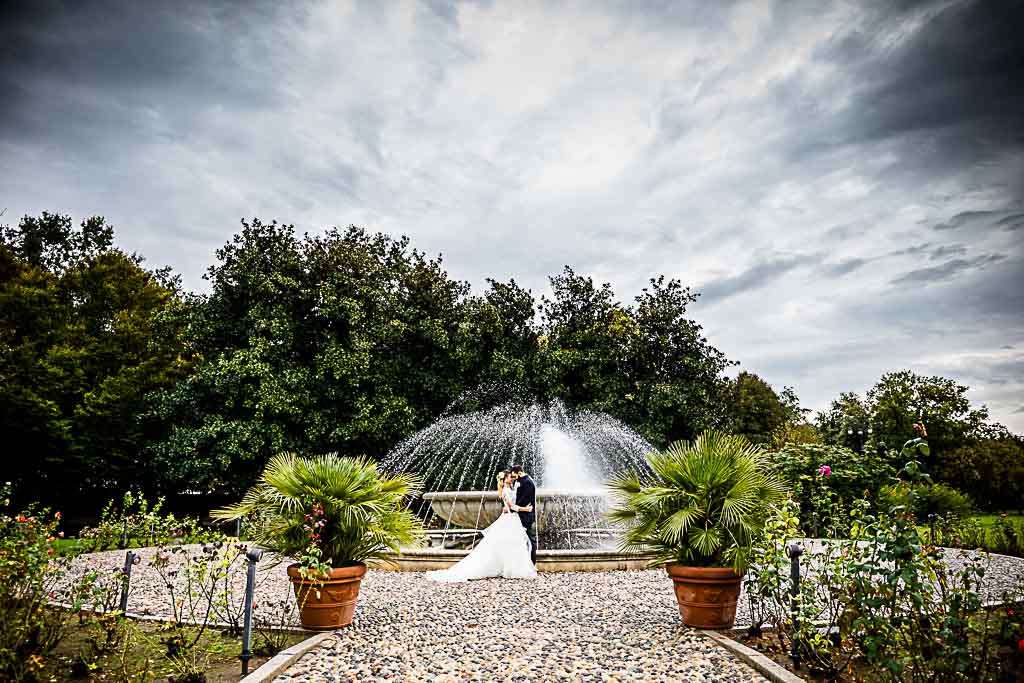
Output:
[[332, 515], [699, 516]]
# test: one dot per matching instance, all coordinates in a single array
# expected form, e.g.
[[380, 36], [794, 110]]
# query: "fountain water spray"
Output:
[[569, 453]]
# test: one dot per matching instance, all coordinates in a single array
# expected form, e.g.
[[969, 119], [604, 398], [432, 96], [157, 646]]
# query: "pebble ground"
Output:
[[599, 626], [607, 626]]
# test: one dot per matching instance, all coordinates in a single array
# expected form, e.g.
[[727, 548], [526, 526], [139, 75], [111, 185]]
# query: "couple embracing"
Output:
[[509, 545]]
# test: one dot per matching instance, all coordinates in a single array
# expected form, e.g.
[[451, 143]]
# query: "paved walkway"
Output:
[[615, 626]]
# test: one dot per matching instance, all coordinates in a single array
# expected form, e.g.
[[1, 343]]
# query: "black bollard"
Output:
[[238, 528], [253, 556], [794, 551], [931, 529], [130, 559], [124, 534]]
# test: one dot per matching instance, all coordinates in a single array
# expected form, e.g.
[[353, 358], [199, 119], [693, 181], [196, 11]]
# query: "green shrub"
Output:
[[826, 480], [885, 603], [146, 525], [926, 499], [990, 470], [29, 578]]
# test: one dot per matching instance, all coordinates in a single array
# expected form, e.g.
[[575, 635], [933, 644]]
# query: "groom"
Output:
[[526, 498]]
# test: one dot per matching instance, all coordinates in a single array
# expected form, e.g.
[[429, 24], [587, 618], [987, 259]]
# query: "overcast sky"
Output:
[[844, 182]]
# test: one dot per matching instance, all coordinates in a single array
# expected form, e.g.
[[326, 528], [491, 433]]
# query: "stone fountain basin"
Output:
[[555, 510]]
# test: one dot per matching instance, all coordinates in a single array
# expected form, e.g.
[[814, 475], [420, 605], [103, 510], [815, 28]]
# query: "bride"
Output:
[[504, 550]]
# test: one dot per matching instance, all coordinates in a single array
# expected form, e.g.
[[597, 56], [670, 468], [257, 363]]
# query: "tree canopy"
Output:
[[112, 376]]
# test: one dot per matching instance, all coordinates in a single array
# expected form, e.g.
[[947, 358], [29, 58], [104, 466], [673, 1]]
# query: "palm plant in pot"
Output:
[[699, 516], [333, 515]]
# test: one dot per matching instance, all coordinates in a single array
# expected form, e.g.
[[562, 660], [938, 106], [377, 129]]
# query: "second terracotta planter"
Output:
[[331, 603], [707, 595]]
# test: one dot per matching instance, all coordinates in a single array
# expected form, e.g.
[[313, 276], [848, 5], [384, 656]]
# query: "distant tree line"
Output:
[[114, 377]]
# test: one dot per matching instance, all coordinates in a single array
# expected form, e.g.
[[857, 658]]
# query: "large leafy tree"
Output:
[[967, 451], [647, 364], [756, 411], [345, 341], [903, 398], [990, 469], [846, 421], [79, 351]]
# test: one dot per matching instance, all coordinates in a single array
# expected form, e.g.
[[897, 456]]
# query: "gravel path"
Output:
[[600, 626], [614, 626]]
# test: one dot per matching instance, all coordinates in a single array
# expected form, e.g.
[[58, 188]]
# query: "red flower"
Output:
[[1009, 612], [1020, 644], [57, 516], [49, 551], [21, 518]]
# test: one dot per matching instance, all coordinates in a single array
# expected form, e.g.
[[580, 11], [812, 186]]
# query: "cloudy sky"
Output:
[[843, 182]]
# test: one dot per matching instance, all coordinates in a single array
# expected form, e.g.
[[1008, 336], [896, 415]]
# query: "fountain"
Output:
[[569, 453]]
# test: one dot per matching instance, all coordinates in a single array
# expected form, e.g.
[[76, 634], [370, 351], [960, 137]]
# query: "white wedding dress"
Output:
[[503, 551]]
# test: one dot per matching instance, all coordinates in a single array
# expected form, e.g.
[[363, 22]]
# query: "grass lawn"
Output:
[[990, 519]]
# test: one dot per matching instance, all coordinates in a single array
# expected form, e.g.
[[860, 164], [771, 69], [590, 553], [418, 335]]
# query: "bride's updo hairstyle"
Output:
[[501, 477]]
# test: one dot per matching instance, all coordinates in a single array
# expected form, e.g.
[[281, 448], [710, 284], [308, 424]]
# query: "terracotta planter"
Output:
[[707, 595], [335, 604]]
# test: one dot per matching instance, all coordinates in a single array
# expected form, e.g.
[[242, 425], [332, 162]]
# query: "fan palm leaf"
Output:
[[705, 505], [365, 513]]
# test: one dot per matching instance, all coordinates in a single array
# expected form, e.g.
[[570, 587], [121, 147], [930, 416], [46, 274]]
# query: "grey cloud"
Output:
[[965, 218], [947, 250], [1019, 410], [947, 270], [1012, 222], [844, 267], [749, 136], [756, 276]]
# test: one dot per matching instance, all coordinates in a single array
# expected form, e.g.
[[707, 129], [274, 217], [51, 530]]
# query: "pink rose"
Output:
[[825, 470]]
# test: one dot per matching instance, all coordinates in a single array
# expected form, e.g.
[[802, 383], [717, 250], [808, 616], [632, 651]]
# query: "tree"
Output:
[[901, 399], [648, 365], [343, 342], [79, 351], [846, 422], [990, 470], [756, 411]]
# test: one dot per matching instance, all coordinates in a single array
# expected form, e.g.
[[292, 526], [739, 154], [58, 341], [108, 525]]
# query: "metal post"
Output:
[[130, 558], [253, 555], [238, 528], [931, 529], [794, 551], [124, 534]]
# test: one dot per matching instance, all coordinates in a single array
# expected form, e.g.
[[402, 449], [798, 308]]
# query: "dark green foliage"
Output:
[[980, 458], [845, 417], [113, 378], [991, 469], [647, 364], [343, 342], [825, 497], [900, 399], [756, 411], [79, 351]]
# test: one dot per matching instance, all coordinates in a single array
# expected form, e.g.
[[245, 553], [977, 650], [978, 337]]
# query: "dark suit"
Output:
[[526, 494]]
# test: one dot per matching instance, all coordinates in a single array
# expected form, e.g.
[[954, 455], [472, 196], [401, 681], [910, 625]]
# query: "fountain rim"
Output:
[[541, 493]]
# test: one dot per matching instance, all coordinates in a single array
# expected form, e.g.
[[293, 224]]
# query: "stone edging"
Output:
[[765, 666], [285, 658]]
